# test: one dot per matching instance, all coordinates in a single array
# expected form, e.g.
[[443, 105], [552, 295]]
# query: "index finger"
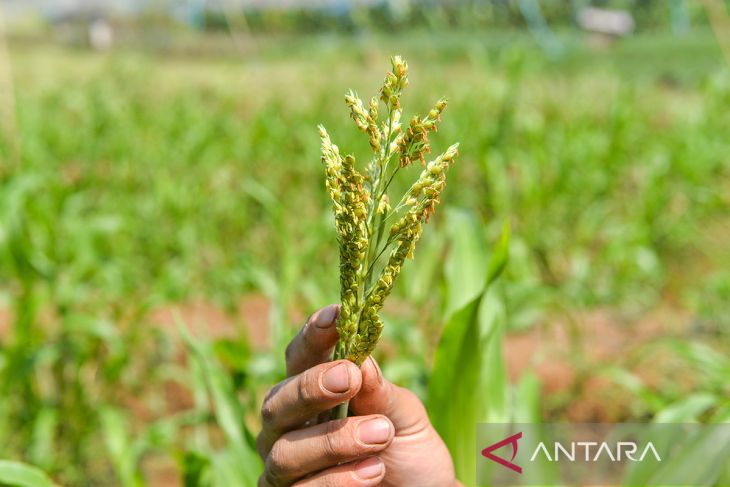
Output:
[[315, 342]]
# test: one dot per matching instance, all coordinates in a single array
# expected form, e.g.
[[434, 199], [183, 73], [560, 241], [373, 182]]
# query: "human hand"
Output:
[[389, 441]]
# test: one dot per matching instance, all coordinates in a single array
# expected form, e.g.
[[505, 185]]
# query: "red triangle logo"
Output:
[[511, 440]]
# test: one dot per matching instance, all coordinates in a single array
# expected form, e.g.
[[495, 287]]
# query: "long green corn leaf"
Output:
[[460, 384]]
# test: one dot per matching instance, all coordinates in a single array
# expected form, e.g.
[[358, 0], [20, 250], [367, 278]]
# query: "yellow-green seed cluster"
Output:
[[362, 207], [413, 144], [365, 120]]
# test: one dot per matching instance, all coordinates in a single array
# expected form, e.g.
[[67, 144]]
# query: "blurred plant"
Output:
[[702, 392], [237, 463], [468, 382], [16, 474], [60, 364]]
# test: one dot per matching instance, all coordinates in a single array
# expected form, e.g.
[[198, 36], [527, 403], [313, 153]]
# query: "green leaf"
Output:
[[42, 445], [700, 463], [120, 446], [500, 255], [687, 410], [651, 400], [722, 414], [526, 399], [228, 469], [468, 381], [453, 392], [704, 358], [662, 437], [493, 407], [18, 474], [194, 468], [466, 261]]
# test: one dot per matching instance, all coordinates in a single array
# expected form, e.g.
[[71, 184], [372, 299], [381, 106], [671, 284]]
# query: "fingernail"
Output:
[[369, 469], [374, 431], [376, 368], [337, 379], [326, 317]]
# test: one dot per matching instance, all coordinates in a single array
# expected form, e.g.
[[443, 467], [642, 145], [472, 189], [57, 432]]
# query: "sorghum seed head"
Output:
[[362, 207]]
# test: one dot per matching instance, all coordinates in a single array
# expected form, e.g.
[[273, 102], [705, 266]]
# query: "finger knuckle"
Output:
[[276, 464], [343, 479], [334, 480], [326, 480], [335, 444], [306, 387], [268, 412]]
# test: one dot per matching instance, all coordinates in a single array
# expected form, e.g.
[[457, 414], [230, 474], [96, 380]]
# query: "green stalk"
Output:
[[340, 411]]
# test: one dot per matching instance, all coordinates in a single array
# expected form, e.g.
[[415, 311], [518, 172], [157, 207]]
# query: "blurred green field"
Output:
[[143, 193]]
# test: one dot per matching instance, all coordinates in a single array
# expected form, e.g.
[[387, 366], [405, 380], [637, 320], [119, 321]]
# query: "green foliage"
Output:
[[146, 181], [15, 474], [238, 463]]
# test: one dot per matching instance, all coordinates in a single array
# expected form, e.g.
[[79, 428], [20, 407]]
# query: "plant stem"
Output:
[[380, 187], [339, 411]]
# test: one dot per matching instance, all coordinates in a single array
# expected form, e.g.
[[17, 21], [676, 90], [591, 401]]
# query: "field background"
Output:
[[164, 231]]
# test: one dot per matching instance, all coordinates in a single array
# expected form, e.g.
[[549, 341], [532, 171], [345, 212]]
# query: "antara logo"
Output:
[[592, 452], [511, 440]]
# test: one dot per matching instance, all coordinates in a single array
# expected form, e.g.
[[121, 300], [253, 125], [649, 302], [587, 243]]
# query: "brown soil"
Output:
[[161, 471], [202, 318], [566, 356], [6, 318]]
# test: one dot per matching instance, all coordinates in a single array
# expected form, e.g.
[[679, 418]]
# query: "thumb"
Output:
[[379, 396]]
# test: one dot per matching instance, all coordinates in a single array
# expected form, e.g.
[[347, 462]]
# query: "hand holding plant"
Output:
[[389, 442]]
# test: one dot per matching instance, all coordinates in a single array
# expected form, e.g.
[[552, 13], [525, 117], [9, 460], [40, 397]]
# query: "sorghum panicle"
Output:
[[362, 207]]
